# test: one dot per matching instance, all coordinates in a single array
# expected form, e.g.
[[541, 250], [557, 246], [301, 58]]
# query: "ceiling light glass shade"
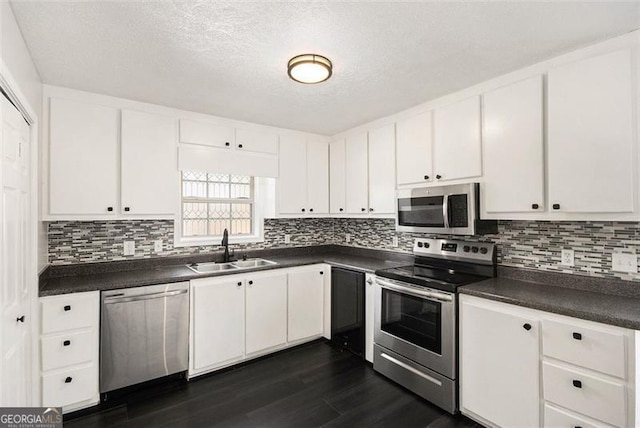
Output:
[[309, 68]]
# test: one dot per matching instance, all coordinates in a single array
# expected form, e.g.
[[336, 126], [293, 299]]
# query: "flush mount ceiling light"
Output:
[[309, 68]]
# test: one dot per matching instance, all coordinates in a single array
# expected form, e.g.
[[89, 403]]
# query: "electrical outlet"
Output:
[[157, 245], [129, 248], [394, 241], [568, 258], [347, 237], [624, 262], [287, 239]]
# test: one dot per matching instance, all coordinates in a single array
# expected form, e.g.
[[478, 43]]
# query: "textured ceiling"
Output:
[[228, 58]]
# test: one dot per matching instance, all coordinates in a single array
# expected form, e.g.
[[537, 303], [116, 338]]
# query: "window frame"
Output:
[[257, 217]]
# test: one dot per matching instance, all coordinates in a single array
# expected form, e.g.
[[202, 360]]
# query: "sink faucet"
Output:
[[225, 243]]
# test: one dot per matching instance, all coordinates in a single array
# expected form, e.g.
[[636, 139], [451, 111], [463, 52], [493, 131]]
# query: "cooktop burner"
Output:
[[445, 264]]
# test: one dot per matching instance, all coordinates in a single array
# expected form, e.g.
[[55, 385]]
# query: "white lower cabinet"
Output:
[[243, 316], [305, 303], [524, 367], [69, 346], [369, 302]]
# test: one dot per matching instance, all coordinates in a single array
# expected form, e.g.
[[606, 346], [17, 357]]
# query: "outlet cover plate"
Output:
[[347, 237], [157, 245], [129, 248], [287, 239], [621, 262], [568, 258]]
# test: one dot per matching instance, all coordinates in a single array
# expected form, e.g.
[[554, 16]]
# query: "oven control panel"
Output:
[[477, 252]]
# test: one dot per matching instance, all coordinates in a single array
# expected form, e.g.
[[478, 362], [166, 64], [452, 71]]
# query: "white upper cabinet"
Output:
[[457, 146], [149, 162], [591, 136], [318, 177], [303, 181], [382, 174], [357, 177], [83, 158], [256, 141], [513, 148], [413, 147], [337, 179], [205, 133], [292, 178]]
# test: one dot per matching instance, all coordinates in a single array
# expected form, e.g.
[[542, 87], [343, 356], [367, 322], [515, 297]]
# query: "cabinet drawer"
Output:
[[560, 418], [70, 387], [70, 311], [67, 349], [578, 344], [590, 395]]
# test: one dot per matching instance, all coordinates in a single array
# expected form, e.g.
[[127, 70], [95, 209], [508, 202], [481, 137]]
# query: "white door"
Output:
[[456, 144], [305, 303], [292, 179], [266, 312], [149, 159], [83, 158], [357, 176], [256, 141], [206, 134], [337, 177], [15, 375], [382, 170], [217, 322], [369, 307], [413, 142], [317, 177], [513, 148], [499, 364], [591, 136]]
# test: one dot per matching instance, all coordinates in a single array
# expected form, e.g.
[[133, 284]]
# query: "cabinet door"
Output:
[[513, 148], [266, 312], [457, 147], [591, 135], [217, 322], [317, 177], [382, 171], [306, 303], [256, 141], [83, 158], [357, 177], [205, 134], [292, 179], [499, 363], [337, 171], [413, 145], [149, 159], [369, 302]]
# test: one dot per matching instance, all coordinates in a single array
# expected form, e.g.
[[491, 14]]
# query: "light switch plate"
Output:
[[129, 248], [157, 245], [568, 258], [347, 237], [624, 263], [287, 239], [394, 241]]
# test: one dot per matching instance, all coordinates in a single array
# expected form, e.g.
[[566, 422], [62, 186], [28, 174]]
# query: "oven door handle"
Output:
[[445, 211], [443, 297]]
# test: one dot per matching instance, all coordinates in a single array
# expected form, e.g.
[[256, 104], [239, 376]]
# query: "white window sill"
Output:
[[215, 241]]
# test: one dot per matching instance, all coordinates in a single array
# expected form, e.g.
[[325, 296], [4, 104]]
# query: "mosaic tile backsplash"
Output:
[[528, 244]]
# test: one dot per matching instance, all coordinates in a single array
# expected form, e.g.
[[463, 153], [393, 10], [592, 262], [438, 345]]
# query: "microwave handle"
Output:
[[445, 211]]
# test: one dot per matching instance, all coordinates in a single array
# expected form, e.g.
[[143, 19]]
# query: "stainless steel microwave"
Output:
[[444, 210]]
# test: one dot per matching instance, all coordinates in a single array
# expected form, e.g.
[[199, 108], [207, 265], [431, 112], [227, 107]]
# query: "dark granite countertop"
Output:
[[608, 301], [124, 274]]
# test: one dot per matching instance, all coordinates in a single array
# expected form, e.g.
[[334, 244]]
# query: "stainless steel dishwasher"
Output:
[[144, 334]]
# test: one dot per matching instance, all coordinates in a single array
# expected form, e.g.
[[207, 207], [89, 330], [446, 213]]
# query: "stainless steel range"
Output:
[[416, 325]]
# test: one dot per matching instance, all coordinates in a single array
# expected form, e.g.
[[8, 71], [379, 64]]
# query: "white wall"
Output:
[[17, 59]]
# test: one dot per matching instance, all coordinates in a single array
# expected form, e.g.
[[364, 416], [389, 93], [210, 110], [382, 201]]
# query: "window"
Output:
[[214, 202]]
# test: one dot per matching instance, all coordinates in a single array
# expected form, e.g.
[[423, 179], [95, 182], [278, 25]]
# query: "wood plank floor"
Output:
[[309, 386]]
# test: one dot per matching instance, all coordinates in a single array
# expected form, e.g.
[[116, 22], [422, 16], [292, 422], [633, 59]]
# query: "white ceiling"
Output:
[[228, 58]]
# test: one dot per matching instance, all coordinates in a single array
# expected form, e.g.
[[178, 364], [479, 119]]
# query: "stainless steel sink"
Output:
[[210, 267], [238, 265], [251, 263]]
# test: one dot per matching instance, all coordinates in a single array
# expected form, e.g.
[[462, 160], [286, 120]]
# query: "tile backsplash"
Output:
[[528, 244]]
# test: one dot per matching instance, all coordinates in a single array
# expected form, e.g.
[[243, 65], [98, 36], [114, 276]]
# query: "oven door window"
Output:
[[413, 319], [421, 212]]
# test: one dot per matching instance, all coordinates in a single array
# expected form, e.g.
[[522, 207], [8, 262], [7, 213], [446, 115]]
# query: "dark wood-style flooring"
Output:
[[309, 386]]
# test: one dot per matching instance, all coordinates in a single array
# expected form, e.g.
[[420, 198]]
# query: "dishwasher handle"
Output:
[[119, 299]]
